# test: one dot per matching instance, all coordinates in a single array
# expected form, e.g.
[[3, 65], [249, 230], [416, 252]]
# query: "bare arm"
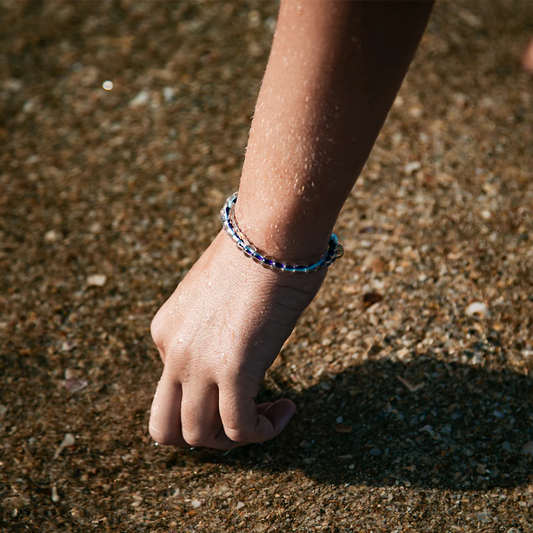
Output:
[[332, 76]]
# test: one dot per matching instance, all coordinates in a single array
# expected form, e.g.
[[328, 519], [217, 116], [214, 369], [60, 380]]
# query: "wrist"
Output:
[[281, 230]]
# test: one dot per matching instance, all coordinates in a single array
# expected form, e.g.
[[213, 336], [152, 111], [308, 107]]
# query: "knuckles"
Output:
[[198, 441], [237, 435], [157, 330]]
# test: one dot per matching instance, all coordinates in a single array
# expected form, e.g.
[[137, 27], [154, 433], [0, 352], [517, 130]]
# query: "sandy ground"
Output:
[[414, 411]]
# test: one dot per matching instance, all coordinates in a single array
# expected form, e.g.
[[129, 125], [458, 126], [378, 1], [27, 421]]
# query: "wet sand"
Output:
[[414, 409]]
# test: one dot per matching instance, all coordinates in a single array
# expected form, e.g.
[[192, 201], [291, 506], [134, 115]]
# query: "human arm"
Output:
[[333, 73]]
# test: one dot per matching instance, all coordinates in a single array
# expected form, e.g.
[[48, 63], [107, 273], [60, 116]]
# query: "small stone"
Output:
[[96, 280], [196, 503], [95, 227], [240, 505], [376, 264], [527, 448], [477, 310], [51, 236], [168, 94], [411, 167], [481, 469], [375, 452], [55, 495], [141, 99], [3, 411], [429, 430], [506, 446], [75, 385], [343, 428], [12, 502], [67, 346], [371, 298]]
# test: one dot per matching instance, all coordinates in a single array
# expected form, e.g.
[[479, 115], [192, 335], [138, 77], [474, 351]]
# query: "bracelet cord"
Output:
[[227, 215]]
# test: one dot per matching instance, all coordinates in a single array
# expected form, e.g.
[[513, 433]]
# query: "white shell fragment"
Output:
[[96, 280], [411, 167], [51, 236], [141, 99], [67, 442], [477, 310]]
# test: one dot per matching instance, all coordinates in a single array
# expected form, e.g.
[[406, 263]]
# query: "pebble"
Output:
[[141, 99], [51, 236], [96, 280], [477, 310], [196, 503], [506, 446], [67, 346], [3, 411], [240, 505], [343, 428], [55, 496], [168, 94], [484, 517], [527, 449], [74, 385], [411, 167], [371, 298], [375, 452]]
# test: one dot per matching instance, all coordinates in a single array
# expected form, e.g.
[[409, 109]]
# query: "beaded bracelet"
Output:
[[227, 215]]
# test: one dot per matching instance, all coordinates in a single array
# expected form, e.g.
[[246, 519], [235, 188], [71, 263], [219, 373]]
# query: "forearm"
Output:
[[333, 74]]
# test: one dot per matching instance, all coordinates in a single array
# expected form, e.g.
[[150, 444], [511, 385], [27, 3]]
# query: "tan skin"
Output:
[[333, 73]]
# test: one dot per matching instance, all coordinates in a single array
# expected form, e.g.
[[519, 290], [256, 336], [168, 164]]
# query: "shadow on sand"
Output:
[[441, 425]]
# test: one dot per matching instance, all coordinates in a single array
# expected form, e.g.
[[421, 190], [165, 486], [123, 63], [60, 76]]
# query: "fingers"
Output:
[[200, 421], [244, 423], [165, 419], [188, 415]]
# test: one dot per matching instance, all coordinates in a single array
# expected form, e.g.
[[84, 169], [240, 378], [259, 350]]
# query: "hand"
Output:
[[217, 335]]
